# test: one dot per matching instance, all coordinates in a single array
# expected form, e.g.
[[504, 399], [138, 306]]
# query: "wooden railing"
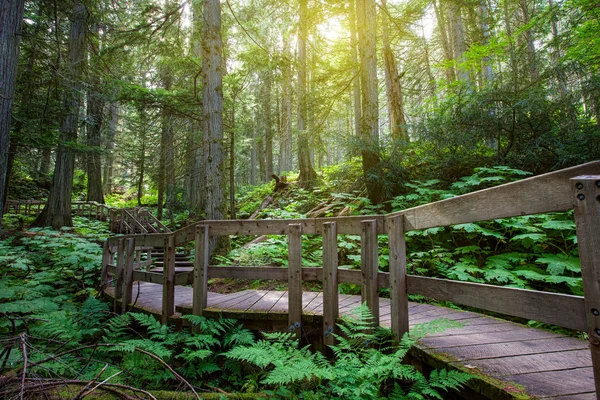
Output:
[[576, 187], [121, 220]]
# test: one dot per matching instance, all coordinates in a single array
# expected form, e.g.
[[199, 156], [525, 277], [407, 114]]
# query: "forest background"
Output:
[[183, 105]]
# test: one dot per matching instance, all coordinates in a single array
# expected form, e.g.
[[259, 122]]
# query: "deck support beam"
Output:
[[330, 281], [168, 300], [586, 203], [369, 265], [295, 279], [398, 292], [201, 260]]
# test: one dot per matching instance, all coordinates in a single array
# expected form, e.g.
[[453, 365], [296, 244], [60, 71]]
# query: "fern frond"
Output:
[[155, 329]]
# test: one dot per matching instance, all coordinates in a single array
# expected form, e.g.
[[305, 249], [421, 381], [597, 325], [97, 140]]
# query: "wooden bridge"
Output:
[[121, 220], [508, 360]]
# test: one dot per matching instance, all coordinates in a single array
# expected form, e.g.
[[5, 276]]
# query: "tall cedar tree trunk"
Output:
[[212, 110], [141, 161], [514, 72], [439, 15], [286, 110], [308, 176], [95, 113], [196, 192], [356, 70], [166, 173], [458, 36], [57, 212], [11, 23], [111, 135], [392, 83], [531, 58], [268, 127], [367, 31], [484, 17]]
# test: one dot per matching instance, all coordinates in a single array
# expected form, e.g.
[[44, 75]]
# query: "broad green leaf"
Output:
[[529, 239], [557, 263]]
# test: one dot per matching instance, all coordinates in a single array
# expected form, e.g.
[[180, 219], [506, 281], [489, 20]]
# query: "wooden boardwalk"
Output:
[[508, 360]]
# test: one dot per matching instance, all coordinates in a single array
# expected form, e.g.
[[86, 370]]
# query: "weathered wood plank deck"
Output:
[[501, 353]]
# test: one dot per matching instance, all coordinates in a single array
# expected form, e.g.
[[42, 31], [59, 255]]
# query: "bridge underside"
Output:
[[508, 360]]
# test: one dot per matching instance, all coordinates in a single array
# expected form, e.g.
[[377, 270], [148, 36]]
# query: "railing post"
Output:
[[398, 294], [587, 217], [369, 265], [168, 301], [201, 251], [121, 256], [330, 281], [295, 278], [122, 221], [128, 275], [107, 258]]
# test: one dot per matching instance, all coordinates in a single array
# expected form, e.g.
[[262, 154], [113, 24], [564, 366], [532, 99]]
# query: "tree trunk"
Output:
[[394, 90], [111, 134], [11, 23], [486, 68], [268, 128], [95, 113], [439, 15], [286, 111], [212, 109], [531, 58], [367, 44], [356, 70], [458, 35], [308, 176], [57, 212]]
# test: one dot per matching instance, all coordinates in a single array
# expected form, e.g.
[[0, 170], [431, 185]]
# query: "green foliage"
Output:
[[365, 365]]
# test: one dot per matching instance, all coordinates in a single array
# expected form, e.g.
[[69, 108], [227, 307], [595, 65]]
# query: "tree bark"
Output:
[[286, 111], [356, 70], [531, 58], [441, 20], [212, 109], [460, 47], [111, 134], [268, 128], [308, 176], [392, 82], [11, 23], [95, 114], [57, 212], [367, 44]]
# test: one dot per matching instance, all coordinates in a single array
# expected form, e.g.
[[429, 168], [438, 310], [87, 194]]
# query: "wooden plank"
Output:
[[231, 301], [557, 309], [397, 267], [586, 200], [307, 298], [540, 194], [330, 281], [201, 269], [295, 278], [267, 301], [506, 349], [578, 396], [315, 303], [168, 298], [281, 305], [128, 274], [516, 335], [556, 383], [349, 303], [531, 363]]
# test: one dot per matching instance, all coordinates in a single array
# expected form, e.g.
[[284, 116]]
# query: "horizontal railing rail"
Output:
[[572, 188]]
